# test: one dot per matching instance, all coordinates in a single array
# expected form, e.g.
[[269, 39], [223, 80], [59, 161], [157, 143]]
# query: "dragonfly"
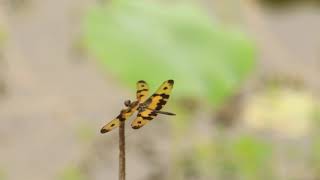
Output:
[[147, 107]]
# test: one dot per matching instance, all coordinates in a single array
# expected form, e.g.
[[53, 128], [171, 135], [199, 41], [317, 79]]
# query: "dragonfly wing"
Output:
[[142, 91], [110, 126], [139, 122], [124, 115], [155, 102]]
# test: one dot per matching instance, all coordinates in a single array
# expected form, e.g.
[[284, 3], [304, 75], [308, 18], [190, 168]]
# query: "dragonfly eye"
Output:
[[127, 103]]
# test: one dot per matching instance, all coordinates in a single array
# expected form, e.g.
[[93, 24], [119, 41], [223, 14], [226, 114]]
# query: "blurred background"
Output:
[[246, 88]]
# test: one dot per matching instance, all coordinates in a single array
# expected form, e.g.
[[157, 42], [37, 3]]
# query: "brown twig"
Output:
[[122, 155]]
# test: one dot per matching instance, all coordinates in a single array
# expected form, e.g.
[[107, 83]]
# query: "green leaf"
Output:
[[146, 40]]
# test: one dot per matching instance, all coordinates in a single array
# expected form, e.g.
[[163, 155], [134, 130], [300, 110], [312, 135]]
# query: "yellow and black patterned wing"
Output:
[[155, 102], [124, 115], [142, 91]]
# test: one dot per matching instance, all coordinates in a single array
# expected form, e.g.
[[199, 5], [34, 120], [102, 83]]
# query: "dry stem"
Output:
[[122, 155]]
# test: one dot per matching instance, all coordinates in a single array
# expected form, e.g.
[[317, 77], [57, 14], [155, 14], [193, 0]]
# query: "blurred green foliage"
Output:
[[154, 42], [205, 155], [252, 157], [71, 173], [315, 150], [290, 3], [243, 156], [2, 35], [3, 175], [316, 115], [85, 133]]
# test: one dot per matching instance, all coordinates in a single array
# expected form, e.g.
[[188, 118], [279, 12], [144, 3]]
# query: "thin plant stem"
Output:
[[122, 154]]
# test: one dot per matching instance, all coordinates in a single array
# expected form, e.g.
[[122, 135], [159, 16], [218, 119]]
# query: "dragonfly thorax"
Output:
[[142, 107]]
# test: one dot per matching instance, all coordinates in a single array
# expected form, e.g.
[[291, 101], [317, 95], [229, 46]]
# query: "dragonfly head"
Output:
[[127, 103]]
